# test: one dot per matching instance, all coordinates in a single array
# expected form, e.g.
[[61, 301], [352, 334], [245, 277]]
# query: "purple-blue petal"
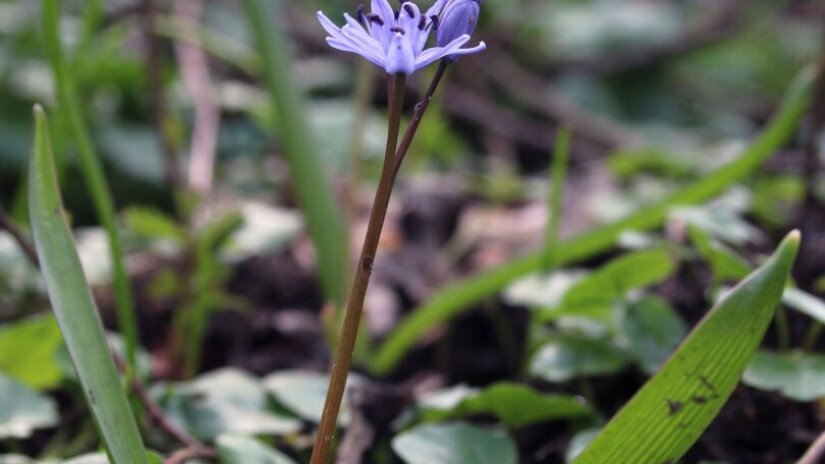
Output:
[[400, 56]]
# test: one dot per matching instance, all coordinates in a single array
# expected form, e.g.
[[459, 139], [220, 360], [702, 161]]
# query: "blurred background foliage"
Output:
[[657, 93]]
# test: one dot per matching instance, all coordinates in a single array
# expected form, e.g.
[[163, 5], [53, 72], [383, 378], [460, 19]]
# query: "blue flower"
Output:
[[458, 18], [395, 40]]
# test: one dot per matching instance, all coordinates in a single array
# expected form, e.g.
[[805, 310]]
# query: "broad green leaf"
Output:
[[75, 309], [515, 405], [238, 449], [454, 299], [22, 410], [91, 458], [805, 303], [225, 401], [27, 351], [570, 356], [650, 329], [673, 408], [543, 290], [304, 393], [456, 443], [796, 375]]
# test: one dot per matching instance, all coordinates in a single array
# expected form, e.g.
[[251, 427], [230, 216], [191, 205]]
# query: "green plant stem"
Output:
[[452, 300], [783, 329], [93, 173], [8, 224], [324, 221], [558, 174], [814, 332], [352, 317]]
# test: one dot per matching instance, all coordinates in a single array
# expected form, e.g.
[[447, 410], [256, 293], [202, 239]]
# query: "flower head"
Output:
[[395, 40], [458, 18]]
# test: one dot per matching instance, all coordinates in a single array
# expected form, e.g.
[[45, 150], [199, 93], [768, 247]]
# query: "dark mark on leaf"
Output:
[[674, 406], [699, 399], [709, 386]]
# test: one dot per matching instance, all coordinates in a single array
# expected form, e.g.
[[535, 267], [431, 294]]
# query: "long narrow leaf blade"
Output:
[[324, 220], [673, 408], [75, 309], [452, 300]]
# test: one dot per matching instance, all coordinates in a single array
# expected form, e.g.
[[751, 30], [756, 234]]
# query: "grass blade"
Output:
[[674, 407], [74, 308], [452, 300], [93, 174], [325, 223]]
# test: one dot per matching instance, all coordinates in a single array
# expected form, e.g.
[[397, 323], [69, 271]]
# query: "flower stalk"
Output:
[[352, 318], [396, 42]]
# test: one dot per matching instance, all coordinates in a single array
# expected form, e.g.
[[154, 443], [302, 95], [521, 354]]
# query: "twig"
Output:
[[154, 410], [815, 452], [182, 455], [28, 248], [154, 67], [539, 96], [196, 77]]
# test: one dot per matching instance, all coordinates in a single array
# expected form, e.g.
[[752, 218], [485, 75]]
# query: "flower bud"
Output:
[[459, 17]]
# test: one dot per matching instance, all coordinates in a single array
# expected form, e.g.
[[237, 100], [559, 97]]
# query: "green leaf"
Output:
[[22, 411], [75, 309], [35, 365], [673, 408], [455, 298], [650, 329], [304, 393], [92, 169], [515, 405], [225, 401], [237, 449], [153, 224], [724, 263], [612, 281], [805, 303], [457, 443], [324, 221], [796, 375], [570, 356]]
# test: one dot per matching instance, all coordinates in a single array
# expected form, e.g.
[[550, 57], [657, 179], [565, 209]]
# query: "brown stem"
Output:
[[157, 96], [420, 108], [194, 66], [815, 452], [352, 317], [18, 235], [153, 409], [186, 454]]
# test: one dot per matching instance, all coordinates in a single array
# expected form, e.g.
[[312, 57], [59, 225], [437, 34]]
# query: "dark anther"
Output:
[[409, 9], [435, 22], [362, 12], [374, 18], [422, 23], [400, 30]]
